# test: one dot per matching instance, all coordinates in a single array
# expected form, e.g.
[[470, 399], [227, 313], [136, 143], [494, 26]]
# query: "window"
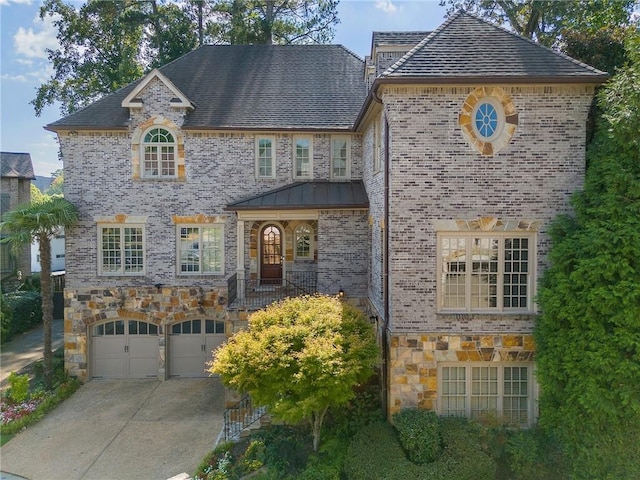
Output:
[[265, 157], [159, 154], [121, 250], [200, 249], [340, 158], [302, 157], [303, 236], [6, 258], [481, 390], [191, 327], [487, 118], [486, 272]]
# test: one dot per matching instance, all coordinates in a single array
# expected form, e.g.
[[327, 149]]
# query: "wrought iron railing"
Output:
[[232, 288], [259, 293], [241, 416]]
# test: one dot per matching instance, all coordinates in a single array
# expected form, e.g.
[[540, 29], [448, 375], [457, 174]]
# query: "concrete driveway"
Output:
[[121, 430]]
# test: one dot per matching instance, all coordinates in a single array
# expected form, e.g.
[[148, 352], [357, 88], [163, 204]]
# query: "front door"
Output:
[[271, 255]]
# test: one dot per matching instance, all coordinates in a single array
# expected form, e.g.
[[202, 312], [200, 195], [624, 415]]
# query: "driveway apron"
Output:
[[121, 430]]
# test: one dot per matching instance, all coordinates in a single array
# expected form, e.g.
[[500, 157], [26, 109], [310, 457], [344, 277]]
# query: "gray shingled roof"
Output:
[[252, 86], [16, 165], [397, 38], [466, 47], [308, 195]]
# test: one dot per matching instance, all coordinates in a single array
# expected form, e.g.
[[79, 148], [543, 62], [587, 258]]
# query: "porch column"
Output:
[[240, 259]]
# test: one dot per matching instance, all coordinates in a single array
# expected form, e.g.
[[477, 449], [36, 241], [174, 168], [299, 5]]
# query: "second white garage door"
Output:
[[190, 345]]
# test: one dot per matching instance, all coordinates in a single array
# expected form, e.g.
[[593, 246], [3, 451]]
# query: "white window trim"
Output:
[[531, 285], [500, 120], [348, 172], [159, 176], [123, 273], [272, 138], [217, 226], [532, 392], [311, 242], [295, 158]]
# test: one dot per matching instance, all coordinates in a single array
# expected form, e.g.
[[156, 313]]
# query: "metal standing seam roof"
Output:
[[467, 47], [251, 87], [308, 195], [16, 165]]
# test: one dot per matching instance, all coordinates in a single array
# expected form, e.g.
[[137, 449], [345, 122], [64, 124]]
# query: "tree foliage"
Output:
[[41, 220], [299, 357], [588, 335], [546, 21], [274, 21], [106, 44]]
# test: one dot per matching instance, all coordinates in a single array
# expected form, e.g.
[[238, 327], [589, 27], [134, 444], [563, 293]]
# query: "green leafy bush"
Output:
[[418, 431], [531, 455], [286, 448], [26, 310], [364, 409], [376, 454], [6, 319], [19, 387]]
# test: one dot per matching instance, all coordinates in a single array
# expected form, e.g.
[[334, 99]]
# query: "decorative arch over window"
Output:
[[157, 151], [488, 119]]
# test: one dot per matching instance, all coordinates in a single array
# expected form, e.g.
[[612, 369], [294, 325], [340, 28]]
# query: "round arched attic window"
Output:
[[488, 119]]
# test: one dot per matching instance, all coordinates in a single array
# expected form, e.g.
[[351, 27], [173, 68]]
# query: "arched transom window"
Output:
[[159, 154]]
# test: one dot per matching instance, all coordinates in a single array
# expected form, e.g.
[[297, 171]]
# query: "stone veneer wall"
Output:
[[160, 306], [414, 358]]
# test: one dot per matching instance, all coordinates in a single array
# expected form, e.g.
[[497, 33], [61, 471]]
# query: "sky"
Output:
[[24, 66]]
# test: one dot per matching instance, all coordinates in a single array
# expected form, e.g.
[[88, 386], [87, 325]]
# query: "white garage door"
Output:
[[124, 349], [190, 345]]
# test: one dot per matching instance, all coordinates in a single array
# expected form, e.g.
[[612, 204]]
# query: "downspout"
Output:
[[385, 276]]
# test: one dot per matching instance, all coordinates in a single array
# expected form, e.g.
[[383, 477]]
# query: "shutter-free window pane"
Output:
[[454, 254], [453, 396], [339, 158], [303, 157], [484, 277], [516, 269], [265, 157]]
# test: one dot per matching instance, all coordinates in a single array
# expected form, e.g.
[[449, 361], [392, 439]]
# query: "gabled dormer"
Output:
[[134, 99]]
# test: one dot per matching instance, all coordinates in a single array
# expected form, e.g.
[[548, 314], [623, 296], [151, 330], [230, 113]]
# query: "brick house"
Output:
[[419, 183], [16, 175]]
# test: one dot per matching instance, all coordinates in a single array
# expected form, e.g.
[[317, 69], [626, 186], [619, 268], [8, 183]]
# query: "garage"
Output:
[[124, 349], [190, 345]]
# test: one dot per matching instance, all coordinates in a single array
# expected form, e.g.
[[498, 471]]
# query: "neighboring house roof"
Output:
[[250, 87], [467, 48], [308, 195], [16, 165]]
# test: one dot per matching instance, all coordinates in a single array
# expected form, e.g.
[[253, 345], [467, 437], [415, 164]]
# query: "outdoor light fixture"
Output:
[[158, 286], [340, 293]]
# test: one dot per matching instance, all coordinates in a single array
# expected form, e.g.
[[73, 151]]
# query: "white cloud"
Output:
[[386, 6], [7, 2], [14, 78], [33, 42]]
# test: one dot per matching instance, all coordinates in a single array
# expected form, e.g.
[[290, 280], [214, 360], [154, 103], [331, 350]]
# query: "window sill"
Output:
[[470, 316]]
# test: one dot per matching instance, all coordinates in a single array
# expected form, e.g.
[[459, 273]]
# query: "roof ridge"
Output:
[[528, 40], [420, 44]]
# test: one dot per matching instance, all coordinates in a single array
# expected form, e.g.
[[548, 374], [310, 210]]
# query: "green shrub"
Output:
[[27, 310], [6, 319], [347, 420], [286, 448], [19, 387], [376, 454], [418, 431]]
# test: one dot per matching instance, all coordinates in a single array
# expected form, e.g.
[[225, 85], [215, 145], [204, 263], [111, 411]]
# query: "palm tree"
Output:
[[41, 220]]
